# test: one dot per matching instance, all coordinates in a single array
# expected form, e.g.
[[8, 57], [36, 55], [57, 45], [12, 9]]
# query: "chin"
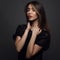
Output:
[[31, 19]]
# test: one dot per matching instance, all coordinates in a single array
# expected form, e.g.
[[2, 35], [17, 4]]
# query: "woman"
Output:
[[32, 39]]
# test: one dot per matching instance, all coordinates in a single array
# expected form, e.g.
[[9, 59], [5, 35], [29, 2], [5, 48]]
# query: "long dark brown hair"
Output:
[[40, 12]]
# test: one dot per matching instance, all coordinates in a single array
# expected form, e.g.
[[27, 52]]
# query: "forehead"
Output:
[[30, 6]]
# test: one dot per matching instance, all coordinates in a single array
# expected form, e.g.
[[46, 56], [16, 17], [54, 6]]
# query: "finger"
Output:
[[40, 31], [28, 23]]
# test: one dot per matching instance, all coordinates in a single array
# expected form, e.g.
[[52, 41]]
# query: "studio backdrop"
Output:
[[12, 14]]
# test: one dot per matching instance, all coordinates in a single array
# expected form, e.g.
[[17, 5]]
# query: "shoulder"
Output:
[[45, 33], [22, 26]]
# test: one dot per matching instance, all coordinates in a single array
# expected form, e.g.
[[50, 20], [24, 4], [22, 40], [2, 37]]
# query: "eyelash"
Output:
[[33, 9], [29, 10]]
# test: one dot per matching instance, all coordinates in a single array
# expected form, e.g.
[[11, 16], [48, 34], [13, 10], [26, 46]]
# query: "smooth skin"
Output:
[[32, 48]]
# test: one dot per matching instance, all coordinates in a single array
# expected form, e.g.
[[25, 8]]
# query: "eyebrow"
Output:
[[31, 8], [28, 8]]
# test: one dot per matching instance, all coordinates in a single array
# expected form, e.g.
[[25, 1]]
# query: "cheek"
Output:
[[35, 15], [27, 13]]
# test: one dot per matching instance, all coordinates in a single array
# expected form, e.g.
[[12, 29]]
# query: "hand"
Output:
[[28, 26], [36, 30]]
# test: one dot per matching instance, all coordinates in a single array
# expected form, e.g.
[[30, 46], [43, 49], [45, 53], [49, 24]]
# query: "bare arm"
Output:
[[19, 43], [32, 48]]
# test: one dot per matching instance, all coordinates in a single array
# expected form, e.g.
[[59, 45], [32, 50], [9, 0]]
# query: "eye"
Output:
[[28, 9], [33, 9]]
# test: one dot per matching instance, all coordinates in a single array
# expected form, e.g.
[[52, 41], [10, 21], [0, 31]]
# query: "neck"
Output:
[[34, 23]]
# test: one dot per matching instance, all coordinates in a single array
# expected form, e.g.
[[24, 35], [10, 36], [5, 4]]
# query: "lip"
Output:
[[30, 16]]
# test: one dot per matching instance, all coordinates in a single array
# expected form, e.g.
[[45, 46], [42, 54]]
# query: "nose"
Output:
[[30, 11]]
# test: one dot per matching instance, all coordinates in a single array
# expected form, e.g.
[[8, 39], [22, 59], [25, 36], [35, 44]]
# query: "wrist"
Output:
[[27, 30], [33, 33]]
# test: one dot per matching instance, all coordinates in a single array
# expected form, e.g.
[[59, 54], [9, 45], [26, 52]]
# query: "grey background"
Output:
[[12, 14]]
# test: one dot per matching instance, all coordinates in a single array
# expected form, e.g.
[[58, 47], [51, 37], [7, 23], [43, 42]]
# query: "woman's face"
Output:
[[31, 13]]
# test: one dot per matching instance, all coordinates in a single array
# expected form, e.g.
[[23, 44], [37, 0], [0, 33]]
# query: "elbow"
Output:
[[17, 48], [29, 54]]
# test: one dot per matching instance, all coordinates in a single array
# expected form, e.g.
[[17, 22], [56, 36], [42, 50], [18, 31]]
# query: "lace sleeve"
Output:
[[43, 40]]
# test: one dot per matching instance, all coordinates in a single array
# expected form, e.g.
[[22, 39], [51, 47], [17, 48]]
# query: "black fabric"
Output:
[[19, 31], [43, 39]]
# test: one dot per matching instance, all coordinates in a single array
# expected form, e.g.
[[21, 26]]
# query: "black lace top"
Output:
[[43, 39]]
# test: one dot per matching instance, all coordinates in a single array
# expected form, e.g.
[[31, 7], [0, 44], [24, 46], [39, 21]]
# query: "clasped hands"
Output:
[[35, 29]]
